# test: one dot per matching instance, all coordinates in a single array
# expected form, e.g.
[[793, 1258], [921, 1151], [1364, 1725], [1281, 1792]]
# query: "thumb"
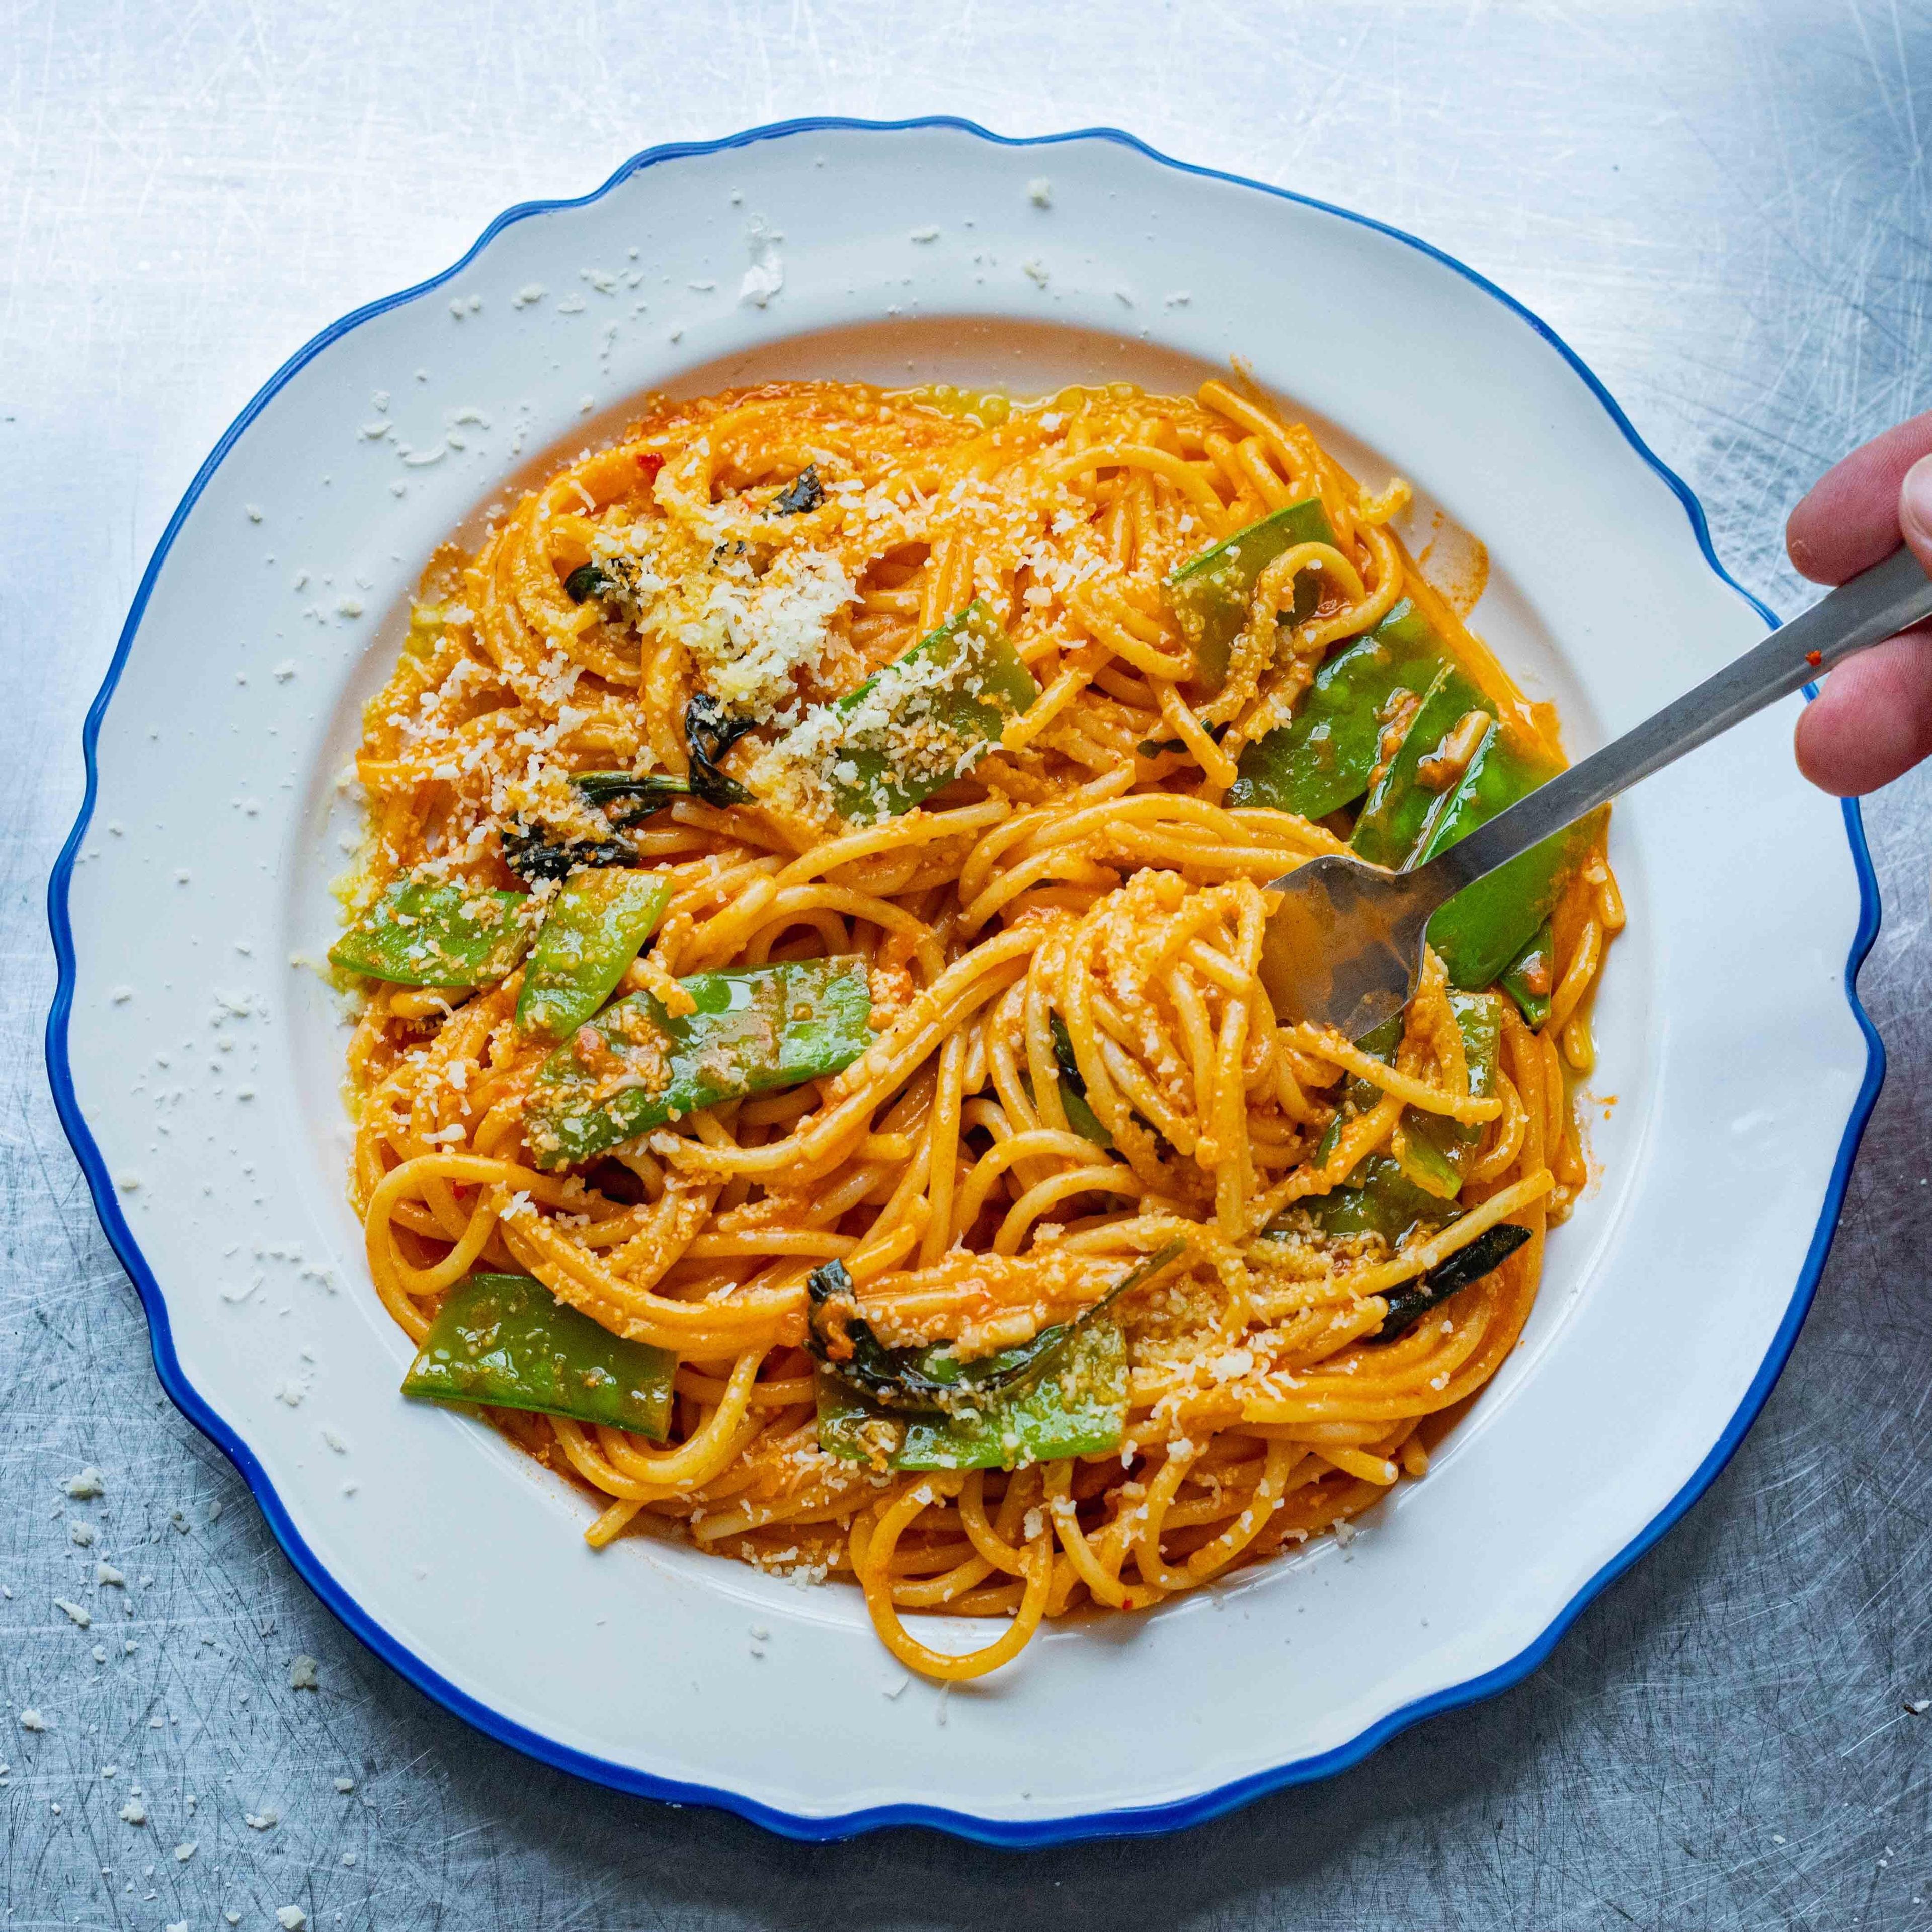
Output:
[[1915, 510], [1873, 720]]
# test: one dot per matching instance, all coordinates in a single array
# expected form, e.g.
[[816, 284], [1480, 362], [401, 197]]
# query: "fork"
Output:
[[1344, 946]]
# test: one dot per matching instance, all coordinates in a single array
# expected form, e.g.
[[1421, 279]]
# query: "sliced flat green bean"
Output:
[[924, 720], [437, 935], [1401, 811], [1486, 926], [1324, 758], [591, 932], [1211, 592], [504, 1341], [1383, 1198], [1076, 1406], [1406, 822], [634, 1066], [1530, 978], [1438, 1151]]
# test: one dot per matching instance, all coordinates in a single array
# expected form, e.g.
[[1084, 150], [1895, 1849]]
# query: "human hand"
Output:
[[1872, 719]]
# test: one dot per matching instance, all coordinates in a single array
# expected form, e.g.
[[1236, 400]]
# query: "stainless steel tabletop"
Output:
[[1723, 207]]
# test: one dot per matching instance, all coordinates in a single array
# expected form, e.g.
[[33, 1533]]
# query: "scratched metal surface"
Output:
[[1725, 208]]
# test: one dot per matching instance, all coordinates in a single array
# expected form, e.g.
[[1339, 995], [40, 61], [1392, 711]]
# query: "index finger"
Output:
[[1848, 520]]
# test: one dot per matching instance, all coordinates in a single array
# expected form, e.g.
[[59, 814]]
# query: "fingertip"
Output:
[[1849, 519], [1806, 532], [1914, 510], [1872, 721], [1814, 749]]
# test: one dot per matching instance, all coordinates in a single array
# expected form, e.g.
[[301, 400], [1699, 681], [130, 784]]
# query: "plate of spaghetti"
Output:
[[669, 1011]]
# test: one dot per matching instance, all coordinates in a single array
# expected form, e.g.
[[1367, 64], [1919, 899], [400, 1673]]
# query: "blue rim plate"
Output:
[[1213, 1795]]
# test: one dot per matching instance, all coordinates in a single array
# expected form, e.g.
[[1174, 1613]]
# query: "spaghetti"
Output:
[[1068, 1182]]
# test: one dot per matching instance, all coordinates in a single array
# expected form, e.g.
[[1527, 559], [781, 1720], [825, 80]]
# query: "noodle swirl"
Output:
[[1073, 1064]]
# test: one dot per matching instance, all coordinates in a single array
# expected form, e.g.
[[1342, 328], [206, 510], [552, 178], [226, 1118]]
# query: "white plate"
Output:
[[197, 1065]]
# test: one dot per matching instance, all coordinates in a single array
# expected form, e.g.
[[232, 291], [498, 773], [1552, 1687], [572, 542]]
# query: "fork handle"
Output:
[[1861, 612]]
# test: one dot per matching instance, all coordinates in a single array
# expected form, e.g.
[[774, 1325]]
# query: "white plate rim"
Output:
[[1020, 1833]]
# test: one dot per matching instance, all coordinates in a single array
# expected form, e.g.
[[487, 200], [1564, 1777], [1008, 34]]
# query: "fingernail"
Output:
[[1915, 506]]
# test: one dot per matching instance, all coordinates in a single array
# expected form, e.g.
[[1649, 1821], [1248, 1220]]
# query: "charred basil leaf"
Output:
[[1079, 1110], [933, 1380], [894, 1378], [587, 580], [804, 492], [1073, 1101], [1063, 1051], [1410, 1303], [532, 852], [709, 732], [636, 797], [535, 851], [1152, 747]]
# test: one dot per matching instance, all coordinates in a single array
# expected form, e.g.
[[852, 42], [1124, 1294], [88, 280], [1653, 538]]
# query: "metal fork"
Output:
[[1344, 948]]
